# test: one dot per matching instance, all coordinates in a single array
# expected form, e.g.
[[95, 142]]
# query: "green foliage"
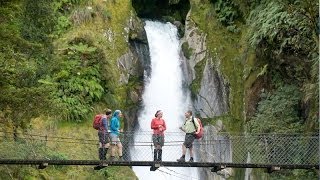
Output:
[[279, 30], [114, 173], [278, 111], [21, 104], [39, 20], [311, 96], [20, 67], [62, 9], [82, 15], [68, 79], [78, 80], [87, 14], [65, 5], [227, 12], [187, 51], [196, 83], [24, 148], [62, 25], [295, 174]]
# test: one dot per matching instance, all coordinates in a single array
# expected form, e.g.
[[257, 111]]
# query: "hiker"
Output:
[[190, 127], [159, 126], [114, 134], [104, 135]]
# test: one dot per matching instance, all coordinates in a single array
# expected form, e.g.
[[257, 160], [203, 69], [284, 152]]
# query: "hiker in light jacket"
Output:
[[190, 127], [114, 134]]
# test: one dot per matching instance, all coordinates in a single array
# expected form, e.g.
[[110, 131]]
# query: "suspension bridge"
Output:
[[216, 151]]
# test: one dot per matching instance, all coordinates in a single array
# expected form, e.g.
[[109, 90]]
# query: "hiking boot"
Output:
[[155, 155], [191, 159], [182, 159], [101, 151], [104, 164], [159, 155], [120, 158], [111, 158]]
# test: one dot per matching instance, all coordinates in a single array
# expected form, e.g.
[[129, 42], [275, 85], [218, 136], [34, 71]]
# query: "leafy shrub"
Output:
[[279, 30], [63, 24], [39, 20], [87, 14], [187, 51], [82, 15], [278, 111], [78, 80], [227, 13]]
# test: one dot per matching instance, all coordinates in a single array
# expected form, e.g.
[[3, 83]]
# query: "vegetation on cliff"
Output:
[[267, 53], [58, 64]]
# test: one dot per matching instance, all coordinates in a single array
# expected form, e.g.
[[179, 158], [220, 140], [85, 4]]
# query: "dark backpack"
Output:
[[97, 121], [200, 134]]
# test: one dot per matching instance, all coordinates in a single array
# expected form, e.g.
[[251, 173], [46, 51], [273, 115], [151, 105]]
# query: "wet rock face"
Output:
[[133, 65], [136, 30], [212, 97]]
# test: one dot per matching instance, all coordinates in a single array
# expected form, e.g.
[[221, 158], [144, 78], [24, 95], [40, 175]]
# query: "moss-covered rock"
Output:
[[187, 51], [227, 51]]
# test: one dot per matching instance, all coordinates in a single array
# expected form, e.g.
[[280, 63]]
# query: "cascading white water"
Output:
[[163, 91]]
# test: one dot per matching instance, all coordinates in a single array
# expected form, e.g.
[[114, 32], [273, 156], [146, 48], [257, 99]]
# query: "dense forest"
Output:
[[59, 66]]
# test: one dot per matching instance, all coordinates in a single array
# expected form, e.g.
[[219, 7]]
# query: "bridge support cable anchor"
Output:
[[217, 168], [272, 169], [155, 166], [43, 165]]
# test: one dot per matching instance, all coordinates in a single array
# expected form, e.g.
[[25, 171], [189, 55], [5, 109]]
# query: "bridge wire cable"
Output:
[[49, 140], [232, 134], [77, 142], [170, 174], [180, 173], [80, 139]]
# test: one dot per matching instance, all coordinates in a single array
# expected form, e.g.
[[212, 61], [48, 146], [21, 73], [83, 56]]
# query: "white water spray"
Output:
[[163, 91]]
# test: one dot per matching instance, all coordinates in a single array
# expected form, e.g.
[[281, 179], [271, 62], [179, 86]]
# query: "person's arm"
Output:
[[153, 124], [112, 125], [164, 126], [183, 127], [118, 125], [197, 125], [105, 123]]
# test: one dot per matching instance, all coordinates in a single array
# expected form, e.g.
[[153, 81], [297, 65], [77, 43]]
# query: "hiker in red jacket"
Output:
[[159, 126]]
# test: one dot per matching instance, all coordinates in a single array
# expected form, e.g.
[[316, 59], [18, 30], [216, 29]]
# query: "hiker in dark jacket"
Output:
[[104, 135]]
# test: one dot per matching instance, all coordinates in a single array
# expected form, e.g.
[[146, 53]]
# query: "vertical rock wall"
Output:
[[212, 98]]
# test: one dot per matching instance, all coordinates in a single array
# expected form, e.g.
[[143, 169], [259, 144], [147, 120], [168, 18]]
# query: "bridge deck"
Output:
[[286, 151], [152, 163]]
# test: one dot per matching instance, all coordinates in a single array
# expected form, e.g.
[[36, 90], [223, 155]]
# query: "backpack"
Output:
[[97, 121], [200, 134]]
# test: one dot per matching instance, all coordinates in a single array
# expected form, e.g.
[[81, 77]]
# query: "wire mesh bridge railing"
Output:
[[252, 150]]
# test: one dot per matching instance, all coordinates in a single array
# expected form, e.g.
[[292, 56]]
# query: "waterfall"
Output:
[[163, 91]]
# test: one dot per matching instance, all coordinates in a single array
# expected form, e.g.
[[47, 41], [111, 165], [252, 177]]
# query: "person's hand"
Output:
[[160, 129], [121, 130], [181, 128]]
